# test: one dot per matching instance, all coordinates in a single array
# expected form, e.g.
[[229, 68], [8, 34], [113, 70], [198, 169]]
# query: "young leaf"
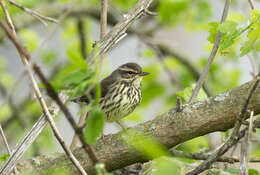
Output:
[[186, 94], [253, 172], [247, 46], [145, 145], [95, 125], [213, 26], [77, 77], [4, 157]]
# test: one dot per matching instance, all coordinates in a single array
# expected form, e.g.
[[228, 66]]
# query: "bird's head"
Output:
[[130, 72]]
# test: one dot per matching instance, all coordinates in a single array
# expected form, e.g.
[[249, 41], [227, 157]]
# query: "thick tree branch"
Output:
[[196, 119]]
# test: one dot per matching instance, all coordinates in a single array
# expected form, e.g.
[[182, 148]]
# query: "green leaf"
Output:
[[75, 77], [254, 16], [145, 145], [253, 172], [5, 112], [228, 26], [95, 125], [30, 38], [164, 166], [78, 78], [247, 46], [49, 57], [171, 11], [76, 58], [186, 93], [233, 170], [4, 157], [229, 33], [213, 30]]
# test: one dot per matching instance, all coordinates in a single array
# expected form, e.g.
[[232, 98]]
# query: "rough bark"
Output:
[[171, 128]]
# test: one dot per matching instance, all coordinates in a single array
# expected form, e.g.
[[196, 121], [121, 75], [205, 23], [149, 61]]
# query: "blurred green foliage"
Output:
[[144, 144]]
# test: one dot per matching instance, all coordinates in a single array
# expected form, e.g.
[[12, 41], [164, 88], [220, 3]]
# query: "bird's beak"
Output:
[[144, 73]]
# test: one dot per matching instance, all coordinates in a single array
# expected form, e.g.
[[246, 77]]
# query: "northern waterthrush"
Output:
[[121, 92]]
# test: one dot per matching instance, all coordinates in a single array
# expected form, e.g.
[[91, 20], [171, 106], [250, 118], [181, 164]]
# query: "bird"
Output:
[[121, 92]]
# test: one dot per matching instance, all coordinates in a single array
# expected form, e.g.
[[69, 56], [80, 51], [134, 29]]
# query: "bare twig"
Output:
[[251, 122], [7, 146], [25, 59], [82, 37], [103, 18], [103, 29], [243, 168], [205, 156], [34, 13], [253, 65], [179, 107], [251, 3], [234, 137], [75, 139], [211, 57]]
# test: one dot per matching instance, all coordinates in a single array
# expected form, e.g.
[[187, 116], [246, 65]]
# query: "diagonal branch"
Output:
[[217, 113], [234, 137], [33, 13], [211, 56], [7, 146]]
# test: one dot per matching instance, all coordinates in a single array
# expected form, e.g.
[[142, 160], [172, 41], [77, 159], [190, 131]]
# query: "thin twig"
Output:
[[243, 168], [253, 65], [75, 139], [205, 156], [211, 57], [82, 37], [36, 89], [7, 146], [103, 18], [34, 13], [103, 29], [251, 3], [251, 122], [234, 137]]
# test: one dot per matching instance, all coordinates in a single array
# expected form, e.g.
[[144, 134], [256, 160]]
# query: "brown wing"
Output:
[[104, 86]]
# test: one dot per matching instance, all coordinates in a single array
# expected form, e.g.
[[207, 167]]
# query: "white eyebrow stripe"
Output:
[[127, 69]]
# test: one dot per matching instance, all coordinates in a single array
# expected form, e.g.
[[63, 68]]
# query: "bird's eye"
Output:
[[129, 72]]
